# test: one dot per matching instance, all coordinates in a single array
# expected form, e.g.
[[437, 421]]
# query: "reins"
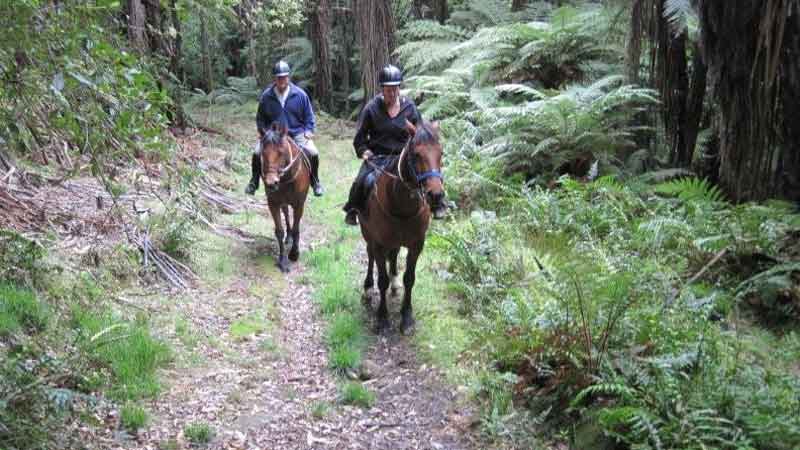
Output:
[[293, 159]]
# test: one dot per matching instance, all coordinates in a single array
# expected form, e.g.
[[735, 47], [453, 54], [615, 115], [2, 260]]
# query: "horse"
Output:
[[286, 175], [398, 213]]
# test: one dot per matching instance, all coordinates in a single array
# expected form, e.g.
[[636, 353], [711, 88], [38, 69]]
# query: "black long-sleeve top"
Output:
[[380, 133]]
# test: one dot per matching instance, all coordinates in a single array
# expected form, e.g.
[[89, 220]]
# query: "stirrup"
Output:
[[251, 188], [351, 218]]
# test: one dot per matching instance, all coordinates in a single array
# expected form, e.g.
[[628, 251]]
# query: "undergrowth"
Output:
[[598, 304]]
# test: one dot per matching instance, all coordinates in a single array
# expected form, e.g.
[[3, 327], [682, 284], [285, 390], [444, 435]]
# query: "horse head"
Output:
[[275, 156], [424, 164]]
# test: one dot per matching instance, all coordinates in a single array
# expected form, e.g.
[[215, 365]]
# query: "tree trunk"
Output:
[[756, 81], [518, 5], [670, 77], [633, 53], [694, 107], [376, 41], [416, 10], [320, 29], [208, 79], [441, 10], [155, 29], [344, 21], [137, 21], [179, 120]]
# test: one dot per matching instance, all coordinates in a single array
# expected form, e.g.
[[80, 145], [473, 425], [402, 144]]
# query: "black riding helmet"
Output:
[[281, 69], [390, 76]]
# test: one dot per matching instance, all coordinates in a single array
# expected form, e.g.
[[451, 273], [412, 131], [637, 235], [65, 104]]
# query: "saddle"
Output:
[[381, 161]]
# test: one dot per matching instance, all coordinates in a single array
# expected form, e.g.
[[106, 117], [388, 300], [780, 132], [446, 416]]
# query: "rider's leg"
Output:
[[255, 167], [355, 201], [313, 158]]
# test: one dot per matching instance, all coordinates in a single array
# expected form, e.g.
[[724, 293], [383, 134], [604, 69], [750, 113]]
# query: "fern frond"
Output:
[[679, 14], [691, 189], [608, 389]]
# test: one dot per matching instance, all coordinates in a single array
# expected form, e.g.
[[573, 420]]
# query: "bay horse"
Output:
[[286, 175], [398, 213]]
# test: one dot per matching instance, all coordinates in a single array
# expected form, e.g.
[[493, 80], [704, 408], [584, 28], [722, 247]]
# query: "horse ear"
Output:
[[284, 130], [276, 127]]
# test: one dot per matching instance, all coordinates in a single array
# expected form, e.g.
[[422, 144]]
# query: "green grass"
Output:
[[320, 409], [354, 393], [345, 357], [21, 310], [133, 417], [212, 258], [127, 348], [248, 326], [345, 329], [199, 433], [185, 334]]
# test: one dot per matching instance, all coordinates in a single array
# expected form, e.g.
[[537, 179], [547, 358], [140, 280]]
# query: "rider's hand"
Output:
[[309, 134], [367, 154]]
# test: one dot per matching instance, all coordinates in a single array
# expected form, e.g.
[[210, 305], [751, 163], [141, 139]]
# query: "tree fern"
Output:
[[300, 54], [681, 16]]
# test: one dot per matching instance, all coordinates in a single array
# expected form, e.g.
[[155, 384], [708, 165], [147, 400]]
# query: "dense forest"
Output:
[[619, 267]]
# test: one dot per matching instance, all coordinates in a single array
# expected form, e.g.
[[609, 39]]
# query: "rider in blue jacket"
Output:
[[288, 104]]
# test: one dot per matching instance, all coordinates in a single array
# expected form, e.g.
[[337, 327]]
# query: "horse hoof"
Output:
[[407, 326], [382, 327], [283, 264], [366, 296], [294, 256]]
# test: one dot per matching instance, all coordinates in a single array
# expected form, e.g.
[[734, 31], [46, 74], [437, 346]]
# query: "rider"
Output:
[[287, 103], [382, 131]]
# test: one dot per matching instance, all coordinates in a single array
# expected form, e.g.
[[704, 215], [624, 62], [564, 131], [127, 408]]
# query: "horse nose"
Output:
[[436, 198]]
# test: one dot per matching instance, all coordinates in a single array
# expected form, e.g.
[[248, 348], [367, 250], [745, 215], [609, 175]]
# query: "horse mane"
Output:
[[425, 134], [272, 136]]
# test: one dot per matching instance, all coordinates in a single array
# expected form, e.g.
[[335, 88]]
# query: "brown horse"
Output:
[[398, 214], [286, 178]]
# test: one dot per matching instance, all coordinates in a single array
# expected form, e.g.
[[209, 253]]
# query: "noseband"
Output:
[[412, 161], [292, 160]]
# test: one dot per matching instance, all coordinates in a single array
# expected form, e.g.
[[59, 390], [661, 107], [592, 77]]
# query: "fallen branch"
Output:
[[695, 277], [171, 270]]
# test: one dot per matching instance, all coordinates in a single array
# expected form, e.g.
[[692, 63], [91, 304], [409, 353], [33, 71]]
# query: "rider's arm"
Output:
[[309, 121], [262, 121], [362, 134]]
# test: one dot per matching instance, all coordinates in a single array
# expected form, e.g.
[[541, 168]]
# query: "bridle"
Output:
[[292, 160], [416, 187], [412, 159]]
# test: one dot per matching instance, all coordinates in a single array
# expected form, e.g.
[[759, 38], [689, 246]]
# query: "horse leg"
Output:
[[393, 272], [285, 209], [294, 253], [409, 277], [383, 283], [283, 262], [368, 281]]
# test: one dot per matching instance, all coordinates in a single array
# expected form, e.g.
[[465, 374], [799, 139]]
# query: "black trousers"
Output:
[[361, 186]]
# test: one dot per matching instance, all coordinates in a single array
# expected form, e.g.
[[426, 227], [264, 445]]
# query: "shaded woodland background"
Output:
[[626, 174]]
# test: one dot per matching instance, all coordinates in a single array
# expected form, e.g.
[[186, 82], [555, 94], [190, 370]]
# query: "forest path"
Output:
[[253, 359]]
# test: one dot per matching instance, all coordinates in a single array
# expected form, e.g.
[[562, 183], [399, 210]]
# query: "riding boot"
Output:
[[315, 182], [255, 166], [353, 204]]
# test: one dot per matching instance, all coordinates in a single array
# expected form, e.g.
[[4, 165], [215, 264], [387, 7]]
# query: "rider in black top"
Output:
[[382, 131]]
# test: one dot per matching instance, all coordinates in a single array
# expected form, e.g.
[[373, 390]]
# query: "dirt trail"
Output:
[[254, 364]]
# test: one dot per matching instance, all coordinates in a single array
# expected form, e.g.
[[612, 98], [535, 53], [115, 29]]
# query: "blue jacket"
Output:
[[297, 114]]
